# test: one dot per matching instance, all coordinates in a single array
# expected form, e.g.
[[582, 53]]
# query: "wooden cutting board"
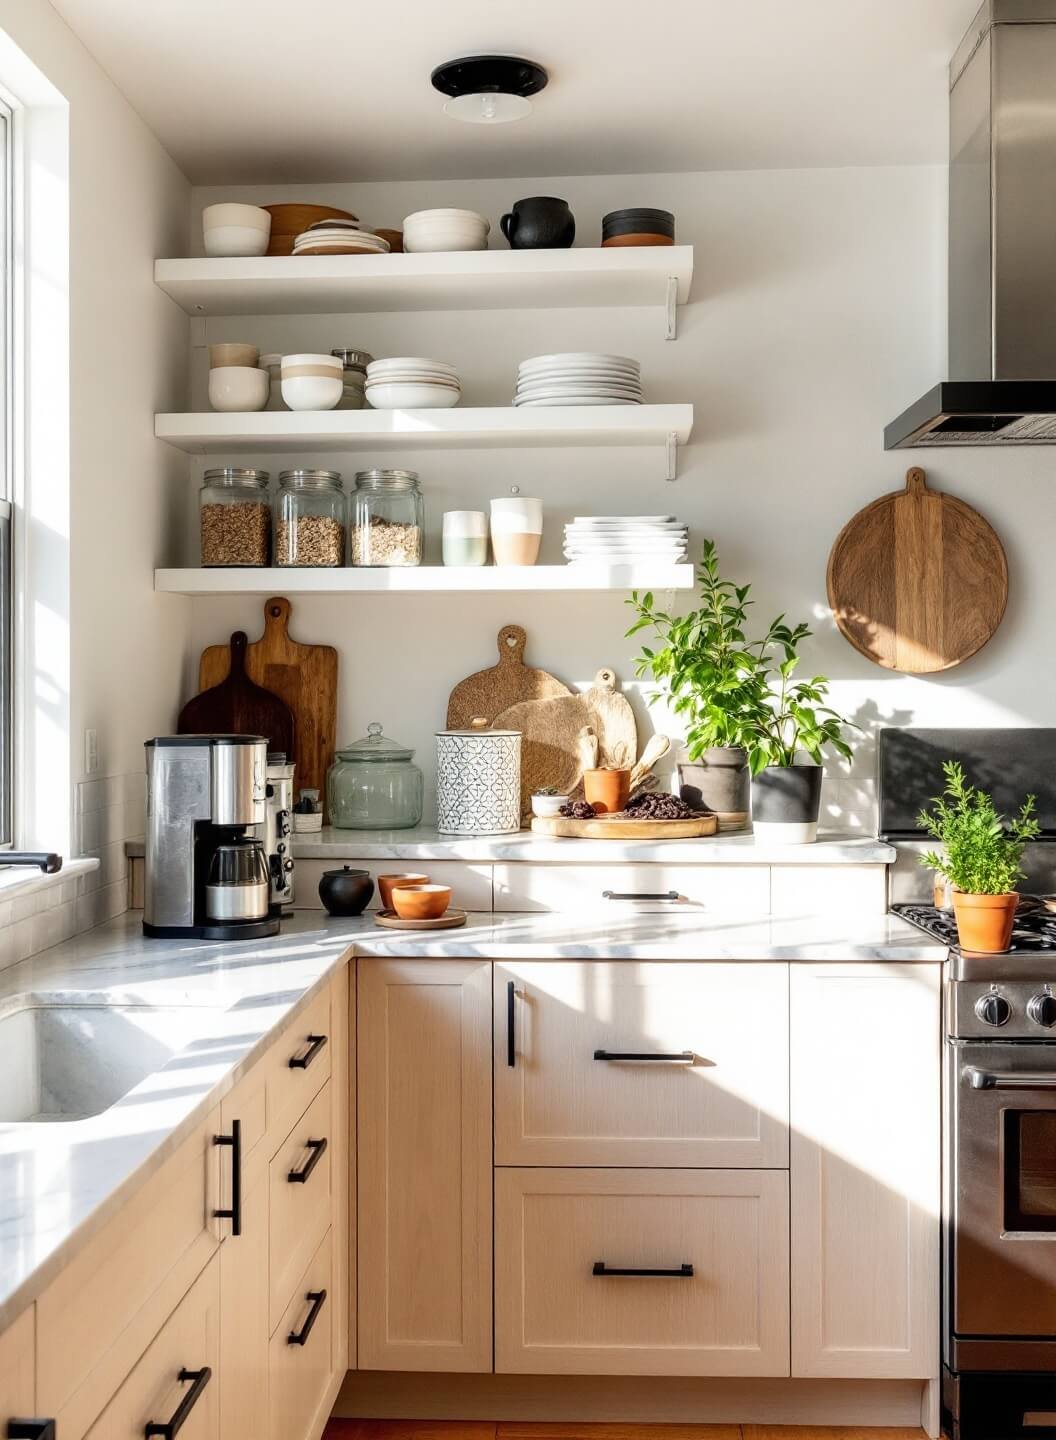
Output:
[[489, 692], [304, 676], [238, 706], [613, 827], [917, 580]]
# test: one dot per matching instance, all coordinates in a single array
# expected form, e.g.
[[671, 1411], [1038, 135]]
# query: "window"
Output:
[[6, 483]]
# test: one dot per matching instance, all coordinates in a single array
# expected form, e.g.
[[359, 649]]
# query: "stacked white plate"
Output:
[[579, 378], [339, 237], [412, 382], [626, 539]]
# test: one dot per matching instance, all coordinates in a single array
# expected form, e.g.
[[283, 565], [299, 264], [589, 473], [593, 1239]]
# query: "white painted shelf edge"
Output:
[[464, 280], [352, 580]]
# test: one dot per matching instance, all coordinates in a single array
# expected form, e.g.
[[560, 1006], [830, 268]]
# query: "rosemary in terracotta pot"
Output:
[[982, 859]]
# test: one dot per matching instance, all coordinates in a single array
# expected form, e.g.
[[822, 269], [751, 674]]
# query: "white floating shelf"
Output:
[[497, 428], [464, 280], [358, 581]]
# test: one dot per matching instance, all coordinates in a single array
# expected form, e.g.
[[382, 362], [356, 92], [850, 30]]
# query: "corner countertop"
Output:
[[60, 1182]]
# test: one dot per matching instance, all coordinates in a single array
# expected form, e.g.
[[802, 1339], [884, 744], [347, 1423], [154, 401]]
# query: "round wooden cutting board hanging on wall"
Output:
[[917, 580]]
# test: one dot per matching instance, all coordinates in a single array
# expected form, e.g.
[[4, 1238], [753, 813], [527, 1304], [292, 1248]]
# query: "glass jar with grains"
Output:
[[388, 518], [310, 518], [235, 516]]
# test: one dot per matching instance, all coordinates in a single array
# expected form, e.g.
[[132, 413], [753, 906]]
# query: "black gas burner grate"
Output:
[[1034, 931]]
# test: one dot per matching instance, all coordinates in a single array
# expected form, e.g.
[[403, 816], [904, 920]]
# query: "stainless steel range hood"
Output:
[[1002, 243]]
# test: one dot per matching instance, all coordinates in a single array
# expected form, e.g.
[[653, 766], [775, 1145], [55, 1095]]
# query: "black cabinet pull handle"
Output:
[[315, 1044], [640, 895], [680, 1057], [680, 1272], [168, 1429], [511, 1002], [31, 1430], [235, 1142], [318, 1149], [300, 1337]]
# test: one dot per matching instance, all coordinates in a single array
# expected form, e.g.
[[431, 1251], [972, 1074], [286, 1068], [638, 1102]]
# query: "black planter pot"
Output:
[[346, 891], [786, 802], [541, 222], [719, 781]]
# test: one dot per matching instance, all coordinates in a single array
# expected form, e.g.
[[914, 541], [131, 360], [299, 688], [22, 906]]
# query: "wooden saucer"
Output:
[[451, 921]]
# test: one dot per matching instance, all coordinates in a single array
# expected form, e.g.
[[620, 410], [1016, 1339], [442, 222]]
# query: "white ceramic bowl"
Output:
[[440, 216], [434, 242], [238, 387], [411, 396], [232, 229], [312, 392], [547, 805]]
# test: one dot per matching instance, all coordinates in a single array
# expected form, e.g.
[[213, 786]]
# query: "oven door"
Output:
[[1003, 1192]]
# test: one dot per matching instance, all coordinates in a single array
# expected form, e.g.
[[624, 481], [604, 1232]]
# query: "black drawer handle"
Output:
[[199, 1380], [318, 1149], [680, 1272], [640, 895], [300, 1337], [511, 1004], [680, 1057], [315, 1044], [234, 1140], [31, 1430]]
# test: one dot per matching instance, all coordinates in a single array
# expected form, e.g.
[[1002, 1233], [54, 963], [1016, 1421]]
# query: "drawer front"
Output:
[[248, 1104], [470, 882], [718, 1097], [180, 1368], [17, 1370], [301, 1354], [719, 889], [291, 1087], [299, 1210], [555, 1316]]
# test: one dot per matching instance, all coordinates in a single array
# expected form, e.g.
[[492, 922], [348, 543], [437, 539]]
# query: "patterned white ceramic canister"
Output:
[[478, 780]]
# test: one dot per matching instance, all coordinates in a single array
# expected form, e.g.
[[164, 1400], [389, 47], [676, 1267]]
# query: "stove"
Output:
[[1034, 931]]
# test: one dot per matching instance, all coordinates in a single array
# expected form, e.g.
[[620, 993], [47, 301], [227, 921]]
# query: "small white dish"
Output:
[[546, 806], [411, 396], [233, 229], [582, 357], [312, 392], [410, 362], [529, 404], [238, 388]]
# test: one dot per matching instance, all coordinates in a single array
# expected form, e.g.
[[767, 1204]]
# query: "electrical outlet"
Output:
[[91, 752]]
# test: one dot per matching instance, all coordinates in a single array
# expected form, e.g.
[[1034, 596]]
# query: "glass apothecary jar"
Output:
[[235, 516], [373, 784], [310, 518], [388, 518]]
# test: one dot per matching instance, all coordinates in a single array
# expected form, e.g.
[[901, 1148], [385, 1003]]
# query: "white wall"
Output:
[[129, 346], [818, 314]]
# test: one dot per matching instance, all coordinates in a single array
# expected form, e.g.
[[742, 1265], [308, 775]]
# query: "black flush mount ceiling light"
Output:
[[489, 89]]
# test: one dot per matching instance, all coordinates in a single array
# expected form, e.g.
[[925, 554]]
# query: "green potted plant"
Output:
[[981, 860]]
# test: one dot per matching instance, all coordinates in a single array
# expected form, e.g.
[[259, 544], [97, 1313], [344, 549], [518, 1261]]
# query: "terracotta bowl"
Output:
[[421, 902], [405, 878]]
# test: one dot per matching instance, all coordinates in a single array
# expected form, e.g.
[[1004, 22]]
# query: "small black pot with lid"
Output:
[[346, 891]]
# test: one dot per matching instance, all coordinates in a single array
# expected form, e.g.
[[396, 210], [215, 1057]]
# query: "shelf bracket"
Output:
[[672, 456], [671, 332]]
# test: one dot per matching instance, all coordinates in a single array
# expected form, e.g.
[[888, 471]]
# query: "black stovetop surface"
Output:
[[1034, 932]]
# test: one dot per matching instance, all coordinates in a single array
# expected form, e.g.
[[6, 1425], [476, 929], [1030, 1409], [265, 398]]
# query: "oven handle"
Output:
[[1009, 1080]]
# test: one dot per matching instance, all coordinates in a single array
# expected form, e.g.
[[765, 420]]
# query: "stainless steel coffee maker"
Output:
[[207, 872]]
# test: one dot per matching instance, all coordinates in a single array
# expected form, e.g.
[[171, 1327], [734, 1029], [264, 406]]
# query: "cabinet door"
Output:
[[16, 1371], [244, 1312], [865, 1064], [424, 1100], [615, 1062]]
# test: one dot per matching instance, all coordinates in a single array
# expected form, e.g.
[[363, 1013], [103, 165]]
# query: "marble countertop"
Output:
[[61, 1181]]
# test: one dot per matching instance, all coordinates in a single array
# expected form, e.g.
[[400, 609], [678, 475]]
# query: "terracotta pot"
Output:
[[407, 877], [421, 902], [984, 922], [607, 790]]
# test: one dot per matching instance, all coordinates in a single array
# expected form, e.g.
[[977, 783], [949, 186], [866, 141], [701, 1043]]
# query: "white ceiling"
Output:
[[275, 90]]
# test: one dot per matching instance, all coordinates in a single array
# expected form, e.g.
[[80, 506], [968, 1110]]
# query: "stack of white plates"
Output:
[[412, 382], [626, 539], [579, 378], [339, 237]]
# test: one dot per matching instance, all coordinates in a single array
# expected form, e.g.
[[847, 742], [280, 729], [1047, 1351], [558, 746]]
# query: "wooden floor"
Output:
[[509, 1430]]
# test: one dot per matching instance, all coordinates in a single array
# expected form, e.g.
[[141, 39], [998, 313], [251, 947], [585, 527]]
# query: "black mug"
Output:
[[541, 222]]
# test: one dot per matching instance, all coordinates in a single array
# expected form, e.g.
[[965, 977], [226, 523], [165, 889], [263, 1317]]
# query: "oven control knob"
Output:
[[993, 1009], [1042, 1010]]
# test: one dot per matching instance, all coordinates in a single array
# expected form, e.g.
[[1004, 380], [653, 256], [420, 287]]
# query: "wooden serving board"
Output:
[[489, 692], [391, 921], [238, 706], [618, 827], [917, 580], [304, 676]]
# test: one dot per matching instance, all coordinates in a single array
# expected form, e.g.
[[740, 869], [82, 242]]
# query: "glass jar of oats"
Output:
[[388, 518], [235, 516], [310, 518]]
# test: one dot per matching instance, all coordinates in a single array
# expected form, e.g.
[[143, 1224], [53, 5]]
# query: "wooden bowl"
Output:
[[288, 221], [405, 878], [395, 239], [621, 240], [421, 902]]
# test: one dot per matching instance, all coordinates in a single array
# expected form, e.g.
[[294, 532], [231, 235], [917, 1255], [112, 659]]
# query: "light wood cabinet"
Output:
[[302, 1356], [17, 1383], [865, 1114], [641, 1063], [244, 1291], [641, 1272], [425, 1165], [301, 1199]]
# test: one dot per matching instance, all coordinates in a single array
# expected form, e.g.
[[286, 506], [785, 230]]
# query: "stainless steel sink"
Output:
[[63, 1061]]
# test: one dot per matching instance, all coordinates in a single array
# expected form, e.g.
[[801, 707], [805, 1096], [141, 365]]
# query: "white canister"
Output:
[[516, 530], [478, 781], [465, 537]]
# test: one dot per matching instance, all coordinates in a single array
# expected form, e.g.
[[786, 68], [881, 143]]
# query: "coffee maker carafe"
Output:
[[206, 867]]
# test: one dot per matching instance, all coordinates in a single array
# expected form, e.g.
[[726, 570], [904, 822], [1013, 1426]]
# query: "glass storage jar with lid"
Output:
[[310, 518], [388, 518], [235, 517], [373, 785]]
